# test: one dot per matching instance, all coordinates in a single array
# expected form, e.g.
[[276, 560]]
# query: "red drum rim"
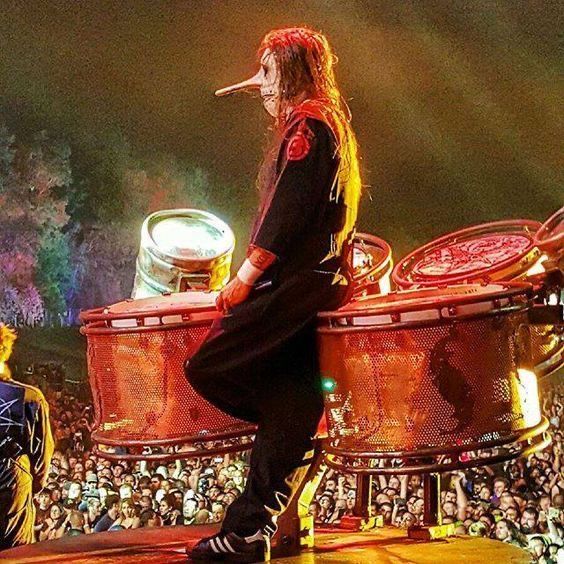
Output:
[[168, 311], [550, 236], [443, 459], [166, 304], [500, 294], [381, 267], [512, 267]]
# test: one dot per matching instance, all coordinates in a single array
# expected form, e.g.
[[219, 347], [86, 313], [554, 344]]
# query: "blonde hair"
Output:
[[7, 338]]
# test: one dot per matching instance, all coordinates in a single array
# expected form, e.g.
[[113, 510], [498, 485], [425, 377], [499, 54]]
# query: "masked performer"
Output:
[[26, 446], [259, 361]]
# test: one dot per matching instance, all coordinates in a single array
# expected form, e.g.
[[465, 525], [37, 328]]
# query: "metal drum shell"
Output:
[[513, 267], [136, 352], [392, 395]]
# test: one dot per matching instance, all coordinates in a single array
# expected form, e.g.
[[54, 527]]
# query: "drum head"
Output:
[[168, 305], [503, 250], [189, 301]]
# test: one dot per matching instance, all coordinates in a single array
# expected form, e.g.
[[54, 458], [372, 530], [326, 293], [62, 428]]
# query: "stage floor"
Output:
[[167, 544]]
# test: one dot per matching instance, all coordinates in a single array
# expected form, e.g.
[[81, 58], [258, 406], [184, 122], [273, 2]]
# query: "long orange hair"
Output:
[[306, 64]]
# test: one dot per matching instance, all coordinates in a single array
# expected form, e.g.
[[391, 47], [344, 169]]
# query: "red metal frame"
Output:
[[182, 455], [532, 440], [550, 236]]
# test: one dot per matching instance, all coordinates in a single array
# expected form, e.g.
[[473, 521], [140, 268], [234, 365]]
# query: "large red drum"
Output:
[[498, 251], [136, 350], [428, 379]]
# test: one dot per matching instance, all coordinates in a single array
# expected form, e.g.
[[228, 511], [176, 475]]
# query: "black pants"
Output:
[[260, 364]]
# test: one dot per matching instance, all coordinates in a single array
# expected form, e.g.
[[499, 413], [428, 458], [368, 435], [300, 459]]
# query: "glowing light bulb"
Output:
[[328, 385]]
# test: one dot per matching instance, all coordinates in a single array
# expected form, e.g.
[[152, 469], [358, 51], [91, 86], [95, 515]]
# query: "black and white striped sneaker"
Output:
[[229, 547]]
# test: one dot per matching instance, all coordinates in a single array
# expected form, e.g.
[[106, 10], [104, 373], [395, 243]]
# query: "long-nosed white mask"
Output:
[[267, 80]]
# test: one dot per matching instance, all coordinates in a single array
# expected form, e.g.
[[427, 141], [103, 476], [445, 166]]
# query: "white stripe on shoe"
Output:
[[219, 542], [212, 544], [228, 545]]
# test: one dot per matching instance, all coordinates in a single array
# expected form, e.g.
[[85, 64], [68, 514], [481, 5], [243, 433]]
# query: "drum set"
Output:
[[439, 374], [144, 407]]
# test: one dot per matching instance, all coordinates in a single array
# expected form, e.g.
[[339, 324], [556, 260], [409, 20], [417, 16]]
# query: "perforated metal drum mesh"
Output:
[[141, 393], [404, 389], [547, 348]]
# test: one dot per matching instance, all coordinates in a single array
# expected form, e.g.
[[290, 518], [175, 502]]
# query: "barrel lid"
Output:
[[502, 250], [186, 235], [430, 298]]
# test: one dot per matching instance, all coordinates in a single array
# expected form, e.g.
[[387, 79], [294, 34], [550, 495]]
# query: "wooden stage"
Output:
[[167, 544]]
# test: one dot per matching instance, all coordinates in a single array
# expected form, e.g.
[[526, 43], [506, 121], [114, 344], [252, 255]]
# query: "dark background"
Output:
[[456, 104]]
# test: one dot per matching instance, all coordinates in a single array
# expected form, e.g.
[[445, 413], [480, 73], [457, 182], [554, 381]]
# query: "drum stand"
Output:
[[432, 527], [295, 526]]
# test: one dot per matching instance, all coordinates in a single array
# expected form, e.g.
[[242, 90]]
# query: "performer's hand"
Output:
[[234, 293]]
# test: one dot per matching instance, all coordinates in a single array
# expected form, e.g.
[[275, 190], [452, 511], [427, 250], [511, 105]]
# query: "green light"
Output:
[[328, 384]]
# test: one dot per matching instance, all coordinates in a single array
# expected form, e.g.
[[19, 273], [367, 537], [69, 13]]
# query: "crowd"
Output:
[[520, 502]]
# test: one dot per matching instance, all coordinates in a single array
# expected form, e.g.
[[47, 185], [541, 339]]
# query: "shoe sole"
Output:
[[241, 558]]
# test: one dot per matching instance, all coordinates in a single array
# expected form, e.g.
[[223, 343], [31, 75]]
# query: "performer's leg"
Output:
[[235, 360], [291, 404], [232, 391]]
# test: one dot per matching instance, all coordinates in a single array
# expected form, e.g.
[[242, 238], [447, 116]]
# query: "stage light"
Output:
[[328, 385], [529, 397], [538, 267]]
